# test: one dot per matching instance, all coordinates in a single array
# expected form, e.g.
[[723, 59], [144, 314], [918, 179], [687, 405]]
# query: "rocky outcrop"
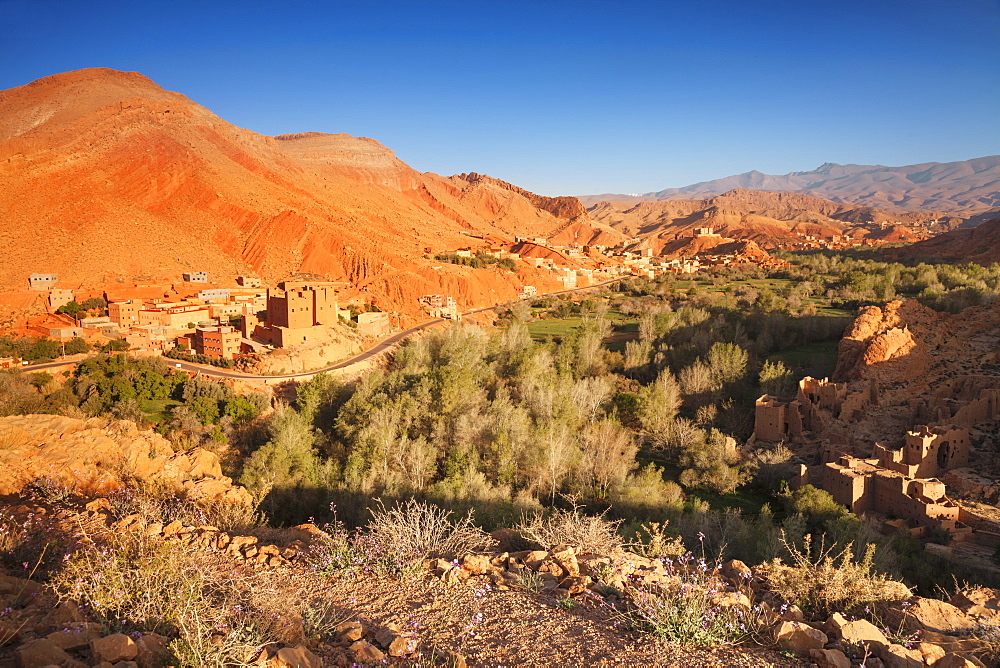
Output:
[[568, 208], [888, 343], [96, 455]]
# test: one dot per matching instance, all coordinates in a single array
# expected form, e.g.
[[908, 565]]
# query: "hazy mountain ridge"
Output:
[[768, 218], [956, 188]]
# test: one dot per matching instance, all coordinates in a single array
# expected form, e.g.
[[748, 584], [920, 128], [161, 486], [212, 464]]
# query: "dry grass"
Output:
[[11, 533], [217, 615], [157, 502], [588, 533], [831, 582], [417, 529]]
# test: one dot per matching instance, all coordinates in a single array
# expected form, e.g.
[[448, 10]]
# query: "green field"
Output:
[[555, 328], [158, 410], [746, 501], [816, 359]]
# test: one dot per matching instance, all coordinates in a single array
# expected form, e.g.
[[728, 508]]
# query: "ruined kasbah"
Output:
[[904, 488]]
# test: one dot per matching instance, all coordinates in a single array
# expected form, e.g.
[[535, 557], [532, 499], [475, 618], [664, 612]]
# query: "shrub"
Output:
[[129, 581], [588, 533], [830, 582], [48, 490], [687, 610], [419, 529], [656, 543], [529, 580]]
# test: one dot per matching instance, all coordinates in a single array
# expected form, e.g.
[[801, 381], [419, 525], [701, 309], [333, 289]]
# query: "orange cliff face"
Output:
[[105, 176]]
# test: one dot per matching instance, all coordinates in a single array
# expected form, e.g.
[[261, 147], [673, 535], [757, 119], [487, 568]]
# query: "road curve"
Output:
[[381, 347]]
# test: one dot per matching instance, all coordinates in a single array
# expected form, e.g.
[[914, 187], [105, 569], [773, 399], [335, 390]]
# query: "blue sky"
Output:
[[560, 97]]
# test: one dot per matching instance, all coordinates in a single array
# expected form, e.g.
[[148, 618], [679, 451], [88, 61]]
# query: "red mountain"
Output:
[[105, 176]]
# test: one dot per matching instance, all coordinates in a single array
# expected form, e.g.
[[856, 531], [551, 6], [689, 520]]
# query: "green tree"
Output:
[[288, 459], [727, 362], [73, 308], [817, 506], [775, 379], [77, 345], [712, 464], [242, 408], [206, 409]]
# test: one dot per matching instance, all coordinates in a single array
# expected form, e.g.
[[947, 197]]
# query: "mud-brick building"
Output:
[[927, 452], [42, 281], [125, 312], [295, 309], [864, 486]]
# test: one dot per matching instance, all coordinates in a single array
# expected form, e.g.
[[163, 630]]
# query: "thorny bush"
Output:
[[588, 533], [830, 582]]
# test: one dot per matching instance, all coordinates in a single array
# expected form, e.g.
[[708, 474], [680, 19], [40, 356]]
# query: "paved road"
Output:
[[216, 372]]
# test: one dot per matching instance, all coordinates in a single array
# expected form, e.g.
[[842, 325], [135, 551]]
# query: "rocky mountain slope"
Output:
[[928, 366], [956, 188], [980, 244], [119, 178], [768, 218]]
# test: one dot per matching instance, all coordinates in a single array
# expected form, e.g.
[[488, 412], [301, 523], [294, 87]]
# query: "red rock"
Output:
[[799, 638], [41, 652], [9, 634], [152, 650], [113, 648], [829, 658], [75, 636], [294, 657], [365, 651]]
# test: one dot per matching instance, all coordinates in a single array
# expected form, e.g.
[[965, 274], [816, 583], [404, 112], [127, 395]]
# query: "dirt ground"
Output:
[[494, 628]]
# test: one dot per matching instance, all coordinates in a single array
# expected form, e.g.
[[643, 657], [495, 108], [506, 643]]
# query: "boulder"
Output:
[[477, 564], [294, 657], [351, 631], [979, 602], [930, 652], [897, 656], [956, 661], [737, 572], [533, 559], [113, 648], [800, 638], [99, 505], [75, 636], [858, 632], [403, 645], [364, 652], [565, 556], [929, 614], [829, 658], [731, 599], [42, 652], [153, 650], [63, 616]]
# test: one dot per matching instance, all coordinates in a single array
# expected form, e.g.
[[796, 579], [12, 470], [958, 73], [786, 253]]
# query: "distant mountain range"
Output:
[[962, 188]]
